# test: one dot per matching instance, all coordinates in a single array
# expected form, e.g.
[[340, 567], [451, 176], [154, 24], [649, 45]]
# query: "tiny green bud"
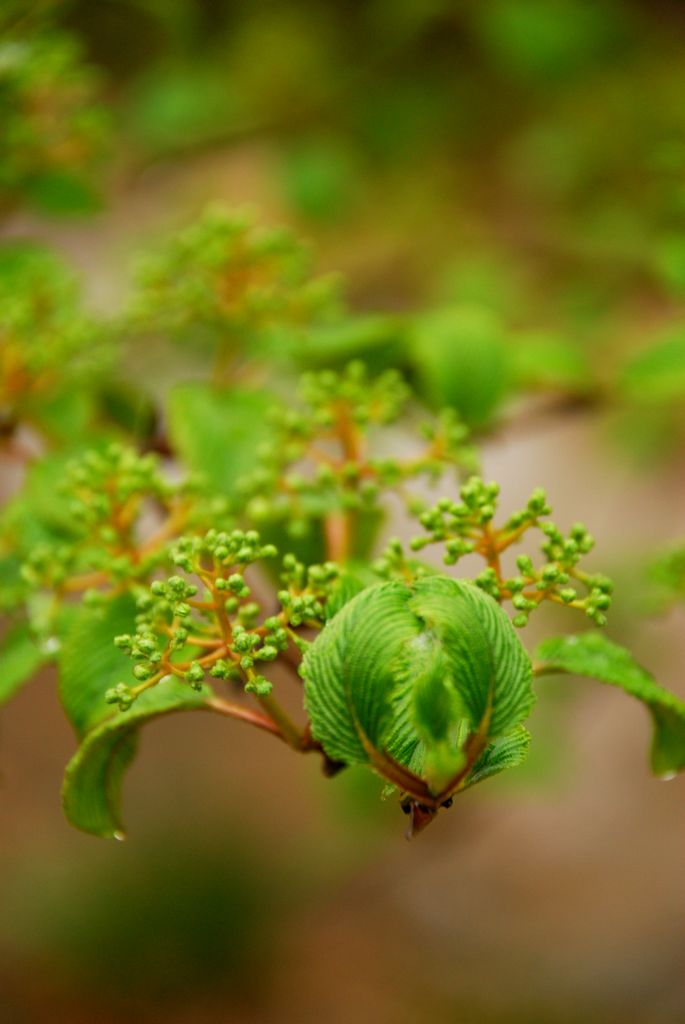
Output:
[[267, 653], [260, 686]]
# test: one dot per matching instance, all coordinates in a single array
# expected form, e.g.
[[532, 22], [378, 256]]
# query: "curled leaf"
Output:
[[92, 783], [419, 681]]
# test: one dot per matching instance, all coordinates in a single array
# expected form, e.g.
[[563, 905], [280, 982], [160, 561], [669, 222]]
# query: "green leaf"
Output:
[[218, 432], [128, 409], [668, 258], [436, 710], [462, 361], [173, 109], [91, 792], [311, 547], [336, 695], [89, 663], [63, 194], [347, 586], [591, 654], [20, 657], [656, 375], [379, 340], [13, 586], [68, 416], [543, 359], [545, 42], [39, 513], [491, 668], [320, 178], [413, 671], [507, 752]]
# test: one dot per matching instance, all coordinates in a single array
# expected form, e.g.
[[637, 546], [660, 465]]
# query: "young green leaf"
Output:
[[20, 657], [379, 340], [462, 361], [218, 432], [506, 752], [92, 783], [434, 665], [89, 662], [656, 374], [436, 710], [591, 654], [347, 586]]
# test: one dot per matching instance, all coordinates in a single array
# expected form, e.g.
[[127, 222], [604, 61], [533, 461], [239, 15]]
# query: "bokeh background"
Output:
[[525, 158]]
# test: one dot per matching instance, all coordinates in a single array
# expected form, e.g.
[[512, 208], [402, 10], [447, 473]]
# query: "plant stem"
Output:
[[287, 728], [337, 527], [229, 710]]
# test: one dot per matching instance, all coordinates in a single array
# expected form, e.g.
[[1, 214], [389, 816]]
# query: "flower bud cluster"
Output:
[[51, 116], [393, 564], [317, 462], [306, 590], [102, 480], [364, 399], [448, 445], [48, 346], [106, 494], [205, 625], [48, 565], [458, 524], [466, 528], [230, 276], [221, 548]]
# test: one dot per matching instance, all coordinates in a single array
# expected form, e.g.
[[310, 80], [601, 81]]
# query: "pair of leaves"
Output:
[[408, 676], [427, 677]]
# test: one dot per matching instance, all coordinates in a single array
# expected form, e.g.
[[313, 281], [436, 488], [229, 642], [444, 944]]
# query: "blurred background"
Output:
[[519, 160]]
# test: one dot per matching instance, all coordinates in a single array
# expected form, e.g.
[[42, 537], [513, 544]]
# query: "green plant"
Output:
[[53, 128], [199, 538], [155, 597]]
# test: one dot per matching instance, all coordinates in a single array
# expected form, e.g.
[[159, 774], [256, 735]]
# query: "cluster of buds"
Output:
[[394, 564], [318, 463], [51, 120], [328, 395], [231, 277], [48, 346], [108, 494], [307, 591], [466, 527], [207, 624]]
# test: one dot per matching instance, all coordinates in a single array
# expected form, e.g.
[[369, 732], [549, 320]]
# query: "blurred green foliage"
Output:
[[53, 130], [52, 353]]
